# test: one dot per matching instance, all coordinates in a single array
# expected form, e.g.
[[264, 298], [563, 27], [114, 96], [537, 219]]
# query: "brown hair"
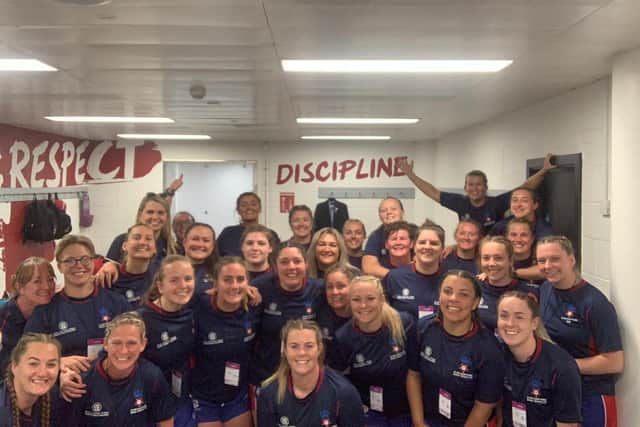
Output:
[[165, 232], [522, 221], [16, 354], [212, 259], [153, 293], [74, 239], [355, 221], [258, 228], [281, 375], [229, 260], [475, 283], [508, 247], [25, 272], [476, 172], [394, 227], [312, 263], [248, 194], [564, 243], [130, 230], [300, 208], [534, 307], [431, 226]]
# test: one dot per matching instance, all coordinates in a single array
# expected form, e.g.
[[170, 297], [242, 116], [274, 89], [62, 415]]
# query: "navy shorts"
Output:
[[207, 412]]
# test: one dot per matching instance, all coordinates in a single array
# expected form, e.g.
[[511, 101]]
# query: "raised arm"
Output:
[[603, 363], [426, 187], [536, 179]]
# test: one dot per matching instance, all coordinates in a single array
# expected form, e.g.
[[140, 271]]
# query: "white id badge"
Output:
[[444, 403], [176, 383], [231, 373], [519, 414], [94, 346], [424, 311], [375, 398]]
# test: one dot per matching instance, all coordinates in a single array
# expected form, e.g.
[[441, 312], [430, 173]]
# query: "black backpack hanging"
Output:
[[44, 221]]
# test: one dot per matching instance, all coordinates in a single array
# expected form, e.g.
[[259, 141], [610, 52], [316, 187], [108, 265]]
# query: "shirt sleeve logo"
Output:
[[464, 369], [139, 404]]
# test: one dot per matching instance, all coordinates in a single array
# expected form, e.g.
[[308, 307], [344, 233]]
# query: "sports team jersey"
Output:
[[375, 245], [541, 228], [456, 371], [487, 215], [378, 365], [140, 400], [12, 324], [544, 390], [203, 279], [356, 261], [229, 240], [454, 262], [224, 342], [582, 321], [334, 402], [526, 263], [115, 251], [33, 420], [488, 307], [329, 323], [132, 286], [255, 274], [170, 343], [278, 306], [78, 323], [413, 292]]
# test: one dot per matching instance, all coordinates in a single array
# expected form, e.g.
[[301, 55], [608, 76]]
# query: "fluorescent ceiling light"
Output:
[[350, 137], [161, 136], [9, 64], [354, 120], [394, 66], [109, 119]]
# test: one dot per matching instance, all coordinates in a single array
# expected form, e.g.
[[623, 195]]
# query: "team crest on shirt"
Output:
[[405, 294], [249, 331], [361, 362], [273, 309], [284, 421], [131, 296], [325, 417], [570, 314], [166, 339], [427, 354], [96, 410], [464, 368], [536, 394], [483, 305], [139, 404], [396, 351], [308, 310], [63, 329], [326, 334], [212, 339], [105, 317]]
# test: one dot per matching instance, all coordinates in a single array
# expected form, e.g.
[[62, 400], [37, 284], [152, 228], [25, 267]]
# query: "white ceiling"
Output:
[[141, 56]]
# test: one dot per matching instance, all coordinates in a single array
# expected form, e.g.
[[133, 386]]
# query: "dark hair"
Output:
[[247, 194], [258, 228], [431, 226], [477, 290], [523, 221], [472, 222], [125, 256], [532, 193], [211, 260], [479, 173], [300, 208], [153, 293], [290, 244], [394, 227], [223, 262]]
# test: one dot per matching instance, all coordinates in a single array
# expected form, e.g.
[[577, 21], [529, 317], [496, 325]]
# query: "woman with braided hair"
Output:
[[25, 399]]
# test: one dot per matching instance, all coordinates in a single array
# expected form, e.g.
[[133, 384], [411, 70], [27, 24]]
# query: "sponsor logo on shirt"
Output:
[[397, 352], [309, 314], [507, 384], [131, 296], [139, 404], [569, 314], [105, 317], [213, 339], [249, 330], [96, 411], [284, 422], [272, 309], [405, 295], [325, 416], [361, 362], [63, 329], [166, 339], [427, 354], [326, 334], [483, 304], [535, 393], [464, 369]]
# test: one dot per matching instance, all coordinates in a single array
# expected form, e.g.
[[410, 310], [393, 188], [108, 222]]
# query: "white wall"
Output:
[[575, 122]]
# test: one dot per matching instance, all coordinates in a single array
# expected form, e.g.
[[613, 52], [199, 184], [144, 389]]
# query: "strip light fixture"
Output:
[[109, 119], [355, 120], [25, 64], [347, 137], [163, 136], [394, 66]]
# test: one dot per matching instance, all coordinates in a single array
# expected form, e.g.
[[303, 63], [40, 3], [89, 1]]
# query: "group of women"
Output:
[[295, 335]]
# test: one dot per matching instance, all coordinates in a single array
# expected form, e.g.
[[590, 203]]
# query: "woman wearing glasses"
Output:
[[77, 315]]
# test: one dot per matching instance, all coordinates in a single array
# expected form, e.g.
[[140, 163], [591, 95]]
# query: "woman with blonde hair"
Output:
[[26, 398], [326, 249], [374, 345], [34, 285], [542, 382], [302, 392]]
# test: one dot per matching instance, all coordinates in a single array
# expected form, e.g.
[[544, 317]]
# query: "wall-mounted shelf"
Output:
[[26, 194], [366, 192]]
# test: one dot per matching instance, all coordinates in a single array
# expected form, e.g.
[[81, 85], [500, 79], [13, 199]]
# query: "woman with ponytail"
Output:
[[456, 372], [542, 383], [374, 345], [302, 392], [26, 399]]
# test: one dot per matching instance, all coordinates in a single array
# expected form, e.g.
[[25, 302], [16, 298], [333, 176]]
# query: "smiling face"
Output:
[[302, 351], [398, 244], [495, 263], [337, 288], [199, 243], [292, 268], [366, 305], [428, 248], [177, 285], [37, 369], [123, 347], [140, 243], [523, 204], [327, 250], [476, 188], [256, 249], [76, 265], [249, 208], [301, 223], [556, 265], [231, 287], [153, 214], [390, 211], [353, 233], [521, 239], [467, 236], [516, 324], [458, 299], [40, 288]]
